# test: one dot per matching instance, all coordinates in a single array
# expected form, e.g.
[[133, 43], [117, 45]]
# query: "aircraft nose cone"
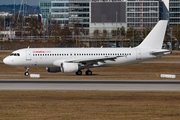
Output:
[[5, 61]]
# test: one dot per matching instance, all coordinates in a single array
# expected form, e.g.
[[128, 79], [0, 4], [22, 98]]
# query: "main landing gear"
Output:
[[27, 72], [88, 72], [79, 72]]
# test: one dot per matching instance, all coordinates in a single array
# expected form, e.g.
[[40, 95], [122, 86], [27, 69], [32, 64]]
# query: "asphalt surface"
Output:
[[116, 85]]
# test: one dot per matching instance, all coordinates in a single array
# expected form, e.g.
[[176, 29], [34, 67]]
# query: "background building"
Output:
[[108, 14], [138, 14], [142, 14], [79, 12], [174, 12], [55, 10]]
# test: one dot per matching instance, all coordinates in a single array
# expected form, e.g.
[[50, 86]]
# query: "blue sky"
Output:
[[30, 2]]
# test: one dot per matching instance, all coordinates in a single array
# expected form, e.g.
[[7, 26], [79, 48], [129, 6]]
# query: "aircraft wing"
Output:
[[84, 62], [94, 60]]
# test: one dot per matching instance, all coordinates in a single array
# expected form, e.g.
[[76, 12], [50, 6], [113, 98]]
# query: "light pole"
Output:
[[171, 37], [22, 22], [73, 22], [14, 10], [116, 24], [120, 36], [133, 36], [116, 28]]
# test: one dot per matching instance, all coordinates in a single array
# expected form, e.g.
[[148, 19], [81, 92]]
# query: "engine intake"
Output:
[[69, 67]]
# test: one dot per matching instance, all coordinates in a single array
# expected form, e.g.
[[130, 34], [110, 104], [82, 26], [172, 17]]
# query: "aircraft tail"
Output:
[[155, 38]]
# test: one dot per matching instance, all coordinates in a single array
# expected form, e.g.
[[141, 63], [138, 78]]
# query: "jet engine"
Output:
[[53, 69], [69, 67]]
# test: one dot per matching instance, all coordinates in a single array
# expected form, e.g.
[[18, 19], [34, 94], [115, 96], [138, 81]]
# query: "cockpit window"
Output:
[[14, 54]]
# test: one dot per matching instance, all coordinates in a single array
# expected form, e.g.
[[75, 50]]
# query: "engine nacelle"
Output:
[[53, 69], [69, 67]]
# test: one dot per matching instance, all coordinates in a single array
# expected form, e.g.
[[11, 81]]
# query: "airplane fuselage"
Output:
[[45, 57]]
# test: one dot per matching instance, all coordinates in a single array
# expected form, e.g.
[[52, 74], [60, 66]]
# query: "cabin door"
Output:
[[28, 55], [138, 54]]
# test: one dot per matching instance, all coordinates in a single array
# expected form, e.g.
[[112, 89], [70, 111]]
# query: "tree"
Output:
[[35, 27], [122, 31], [133, 35], [56, 29], [105, 33], [176, 35], [65, 32], [96, 33], [146, 31], [1, 23]]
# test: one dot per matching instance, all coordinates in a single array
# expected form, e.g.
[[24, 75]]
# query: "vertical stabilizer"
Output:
[[155, 38]]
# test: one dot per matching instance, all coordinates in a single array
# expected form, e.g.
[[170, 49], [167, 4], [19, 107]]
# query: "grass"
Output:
[[88, 105], [144, 71]]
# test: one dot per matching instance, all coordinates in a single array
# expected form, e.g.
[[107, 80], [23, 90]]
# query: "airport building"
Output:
[[109, 14], [174, 12], [128, 13], [55, 10], [65, 11]]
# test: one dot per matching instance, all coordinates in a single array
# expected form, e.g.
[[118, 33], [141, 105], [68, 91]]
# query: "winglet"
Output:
[[155, 38]]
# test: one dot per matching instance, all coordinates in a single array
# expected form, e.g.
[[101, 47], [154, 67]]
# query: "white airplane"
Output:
[[76, 59]]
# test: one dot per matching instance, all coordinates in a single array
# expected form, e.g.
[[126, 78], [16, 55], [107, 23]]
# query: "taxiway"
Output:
[[116, 85]]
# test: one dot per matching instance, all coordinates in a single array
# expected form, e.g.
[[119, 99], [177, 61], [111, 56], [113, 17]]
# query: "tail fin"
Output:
[[155, 38]]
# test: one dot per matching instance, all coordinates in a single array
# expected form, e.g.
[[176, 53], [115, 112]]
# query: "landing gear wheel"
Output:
[[26, 73], [88, 72], [79, 72]]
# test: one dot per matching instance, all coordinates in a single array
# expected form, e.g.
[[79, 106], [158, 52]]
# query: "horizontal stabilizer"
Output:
[[154, 39], [161, 53]]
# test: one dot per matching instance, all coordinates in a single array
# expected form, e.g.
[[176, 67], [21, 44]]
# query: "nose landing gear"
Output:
[[26, 73]]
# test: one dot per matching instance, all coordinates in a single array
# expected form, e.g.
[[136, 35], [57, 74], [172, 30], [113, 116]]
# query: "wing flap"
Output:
[[97, 59]]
